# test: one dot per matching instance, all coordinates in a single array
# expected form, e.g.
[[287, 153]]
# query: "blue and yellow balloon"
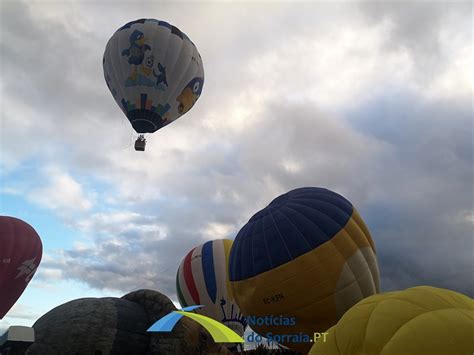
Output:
[[307, 255]]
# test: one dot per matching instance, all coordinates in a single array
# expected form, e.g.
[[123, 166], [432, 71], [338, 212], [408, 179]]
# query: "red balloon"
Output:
[[20, 255]]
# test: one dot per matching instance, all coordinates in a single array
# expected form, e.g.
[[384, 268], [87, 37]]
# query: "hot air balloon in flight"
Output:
[[202, 279], [418, 320], [307, 256], [154, 72], [20, 255]]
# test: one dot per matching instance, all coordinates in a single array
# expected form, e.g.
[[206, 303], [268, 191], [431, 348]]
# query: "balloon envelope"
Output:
[[20, 255], [418, 320], [154, 72], [202, 279], [307, 255]]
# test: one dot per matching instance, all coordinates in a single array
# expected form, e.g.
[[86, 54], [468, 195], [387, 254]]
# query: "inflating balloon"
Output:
[[419, 320], [154, 72], [20, 255], [202, 279], [307, 255]]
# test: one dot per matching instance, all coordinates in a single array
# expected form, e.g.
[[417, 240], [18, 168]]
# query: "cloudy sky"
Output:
[[371, 100]]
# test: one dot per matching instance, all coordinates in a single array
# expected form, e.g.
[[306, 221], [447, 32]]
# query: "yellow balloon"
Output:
[[416, 321], [308, 256]]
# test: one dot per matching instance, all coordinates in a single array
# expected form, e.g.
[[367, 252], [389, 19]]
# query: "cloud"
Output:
[[4, 325], [19, 314], [122, 222], [372, 103], [123, 253], [20, 311], [392, 184], [61, 192], [436, 37]]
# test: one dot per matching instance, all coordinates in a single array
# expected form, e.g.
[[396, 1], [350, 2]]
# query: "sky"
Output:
[[372, 100]]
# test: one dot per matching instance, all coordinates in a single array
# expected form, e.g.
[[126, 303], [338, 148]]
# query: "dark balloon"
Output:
[[112, 325], [20, 255], [93, 326]]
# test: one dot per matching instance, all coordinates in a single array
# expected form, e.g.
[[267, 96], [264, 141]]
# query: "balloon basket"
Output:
[[140, 144]]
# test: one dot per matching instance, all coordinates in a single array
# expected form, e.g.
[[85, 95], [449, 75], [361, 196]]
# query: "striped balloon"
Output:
[[154, 72], [202, 279], [307, 255]]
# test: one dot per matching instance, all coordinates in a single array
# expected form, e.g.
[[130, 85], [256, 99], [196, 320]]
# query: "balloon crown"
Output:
[[234, 316]]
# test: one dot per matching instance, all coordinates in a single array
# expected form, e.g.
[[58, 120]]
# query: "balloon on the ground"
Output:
[[202, 279], [20, 255], [418, 320], [112, 325], [154, 72], [307, 255]]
